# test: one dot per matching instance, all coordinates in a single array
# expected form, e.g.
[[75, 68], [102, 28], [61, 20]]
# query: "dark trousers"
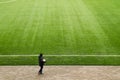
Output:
[[41, 69]]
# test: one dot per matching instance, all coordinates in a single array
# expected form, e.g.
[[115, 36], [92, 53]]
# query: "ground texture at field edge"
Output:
[[60, 73]]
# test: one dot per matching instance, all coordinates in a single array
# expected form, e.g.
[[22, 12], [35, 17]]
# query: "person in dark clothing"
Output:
[[41, 63]]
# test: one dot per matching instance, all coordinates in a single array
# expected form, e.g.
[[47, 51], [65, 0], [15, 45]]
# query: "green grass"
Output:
[[87, 27], [53, 60]]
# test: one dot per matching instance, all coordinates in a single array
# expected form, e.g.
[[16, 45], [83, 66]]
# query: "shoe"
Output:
[[41, 73]]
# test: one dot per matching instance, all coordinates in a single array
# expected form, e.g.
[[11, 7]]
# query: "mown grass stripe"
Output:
[[9, 1], [64, 55]]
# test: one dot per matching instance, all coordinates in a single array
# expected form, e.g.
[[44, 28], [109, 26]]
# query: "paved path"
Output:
[[60, 73]]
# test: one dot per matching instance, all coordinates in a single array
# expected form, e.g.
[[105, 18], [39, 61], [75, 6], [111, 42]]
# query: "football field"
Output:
[[67, 32]]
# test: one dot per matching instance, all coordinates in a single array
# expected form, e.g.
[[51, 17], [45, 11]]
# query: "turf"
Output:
[[53, 60], [86, 27]]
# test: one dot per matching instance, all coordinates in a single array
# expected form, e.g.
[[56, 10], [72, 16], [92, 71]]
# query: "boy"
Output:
[[41, 63]]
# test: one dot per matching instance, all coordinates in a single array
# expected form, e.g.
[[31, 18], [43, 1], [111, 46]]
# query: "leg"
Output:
[[41, 69]]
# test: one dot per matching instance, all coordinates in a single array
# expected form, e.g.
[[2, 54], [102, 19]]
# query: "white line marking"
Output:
[[8, 1], [63, 55]]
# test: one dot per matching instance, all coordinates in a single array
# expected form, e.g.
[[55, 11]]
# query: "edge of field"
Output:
[[61, 60]]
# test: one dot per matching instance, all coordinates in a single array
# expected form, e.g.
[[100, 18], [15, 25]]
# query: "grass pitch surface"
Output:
[[87, 27]]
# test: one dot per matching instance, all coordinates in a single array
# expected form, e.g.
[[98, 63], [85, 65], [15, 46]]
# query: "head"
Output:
[[41, 55]]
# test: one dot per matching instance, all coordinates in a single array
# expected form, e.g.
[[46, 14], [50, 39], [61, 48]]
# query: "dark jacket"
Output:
[[41, 61]]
